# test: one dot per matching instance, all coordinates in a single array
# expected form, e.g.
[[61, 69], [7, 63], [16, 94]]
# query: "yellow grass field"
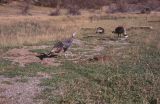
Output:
[[20, 30]]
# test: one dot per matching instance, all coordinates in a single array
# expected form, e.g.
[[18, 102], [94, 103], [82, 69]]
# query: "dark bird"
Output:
[[62, 45], [41, 56], [120, 30], [100, 30]]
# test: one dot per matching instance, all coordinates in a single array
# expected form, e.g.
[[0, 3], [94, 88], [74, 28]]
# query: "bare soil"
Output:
[[14, 92], [24, 57]]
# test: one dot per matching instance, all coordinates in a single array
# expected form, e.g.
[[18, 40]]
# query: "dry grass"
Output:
[[31, 30], [27, 30]]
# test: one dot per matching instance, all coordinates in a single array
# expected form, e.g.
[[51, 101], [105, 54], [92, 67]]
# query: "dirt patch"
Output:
[[50, 62], [100, 58], [24, 57], [21, 56], [19, 92]]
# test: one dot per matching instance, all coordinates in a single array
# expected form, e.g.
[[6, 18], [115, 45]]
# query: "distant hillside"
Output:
[[113, 5], [86, 3]]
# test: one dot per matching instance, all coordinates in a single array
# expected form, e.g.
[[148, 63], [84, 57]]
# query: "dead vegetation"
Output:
[[101, 59], [141, 27]]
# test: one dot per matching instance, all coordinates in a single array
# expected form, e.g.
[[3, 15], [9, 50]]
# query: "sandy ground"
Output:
[[13, 92], [24, 57]]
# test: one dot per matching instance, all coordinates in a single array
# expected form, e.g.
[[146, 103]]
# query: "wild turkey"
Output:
[[146, 10], [62, 45], [100, 30], [57, 48], [120, 30]]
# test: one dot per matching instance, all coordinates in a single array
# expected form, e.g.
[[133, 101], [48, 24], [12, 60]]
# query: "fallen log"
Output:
[[154, 21], [141, 27]]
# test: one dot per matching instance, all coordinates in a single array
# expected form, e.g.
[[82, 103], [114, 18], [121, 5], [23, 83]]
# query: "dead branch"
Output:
[[154, 21], [141, 27]]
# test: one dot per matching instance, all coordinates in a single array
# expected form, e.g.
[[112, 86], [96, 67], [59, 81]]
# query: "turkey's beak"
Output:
[[73, 35]]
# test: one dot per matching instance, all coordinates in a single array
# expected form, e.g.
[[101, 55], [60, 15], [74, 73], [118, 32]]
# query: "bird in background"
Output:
[[120, 30], [100, 30]]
